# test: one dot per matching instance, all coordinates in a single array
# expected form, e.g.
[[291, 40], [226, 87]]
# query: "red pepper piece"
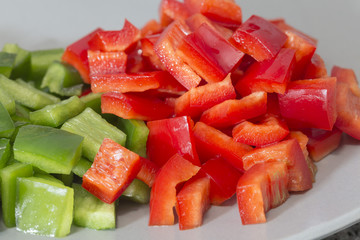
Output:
[[121, 40], [261, 188], [270, 76], [288, 151], [151, 27], [127, 82], [270, 129], [209, 54], [147, 171], [170, 136], [223, 179], [134, 106], [303, 44], [321, 142], [211, 142], [106, 62], [231, 112], [197, 100], [316, 68], [224, 12], [163, 193], [192, 202], [148, 52], [76, 55], [113, 169], [166, 47], [197, 19], [347, 101], [259, 38], [171, 10], [310, 103]]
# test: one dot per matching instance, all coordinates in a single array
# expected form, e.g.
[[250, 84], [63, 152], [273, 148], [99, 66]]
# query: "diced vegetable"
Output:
[[137, 191], [7, 61], [7, 101], [81, 167], [5, 151], [21, 66], [7, 126]]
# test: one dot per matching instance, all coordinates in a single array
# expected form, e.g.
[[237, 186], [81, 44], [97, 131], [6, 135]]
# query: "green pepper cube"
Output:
[[7, 61], [7, 126], [7, 101], [8, 177], [5, 151], [137, 191], [93, 100], [41, 61], [49, 149], [66, 179], [90, 212], [136, 135], [62, 79], [94, 129], [81, 167], [56, 114], [22, 61], [26, 94], [43, 207], [47, 176]]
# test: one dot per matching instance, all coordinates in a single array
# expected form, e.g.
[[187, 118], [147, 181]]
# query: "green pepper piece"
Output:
[[93, 100], [47, 176], [90, 212], [7, 61], [66, 179], [136, 135], [7, 101], [137, 191], [8, 177], [21, 67], [7, 126], [25, 94], [5, 151], [21, 113], [62, 79], [81, 167], [43, 207], [41, 61], [94, 129], [51, 150], [56, 114]]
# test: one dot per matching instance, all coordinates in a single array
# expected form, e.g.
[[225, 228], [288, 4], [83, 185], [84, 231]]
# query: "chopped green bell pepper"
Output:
[[137, 191], [51, 150], [7, 126], [43, 207], [7, 61], [21, 67], [5, 151], [7, 101], [81, 167]]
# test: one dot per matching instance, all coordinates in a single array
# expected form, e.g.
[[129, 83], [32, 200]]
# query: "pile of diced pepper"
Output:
[[184, 113]]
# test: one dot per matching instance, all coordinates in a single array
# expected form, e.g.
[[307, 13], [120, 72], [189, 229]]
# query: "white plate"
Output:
[[334, 201]]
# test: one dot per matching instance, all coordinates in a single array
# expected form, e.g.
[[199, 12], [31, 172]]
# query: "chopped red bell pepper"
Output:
[[121, 40], [322, 142], [163, 193], [170, 136], [211, 143], [259, 38], [166, 47], [288, 151], [223, 179], [316, 68], [77, 56], [151, 27], [192, 202], [262, 187], [303, 44], [106, 62], [147, 172], [310, 103], [113, 169], [197, 19], [195, 101], [127, 82], [269, 129], [224, 12], [347, 101], [209, 53], [171, 10], [134, 106], [269, 76], [148, 51], [231, 112]]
